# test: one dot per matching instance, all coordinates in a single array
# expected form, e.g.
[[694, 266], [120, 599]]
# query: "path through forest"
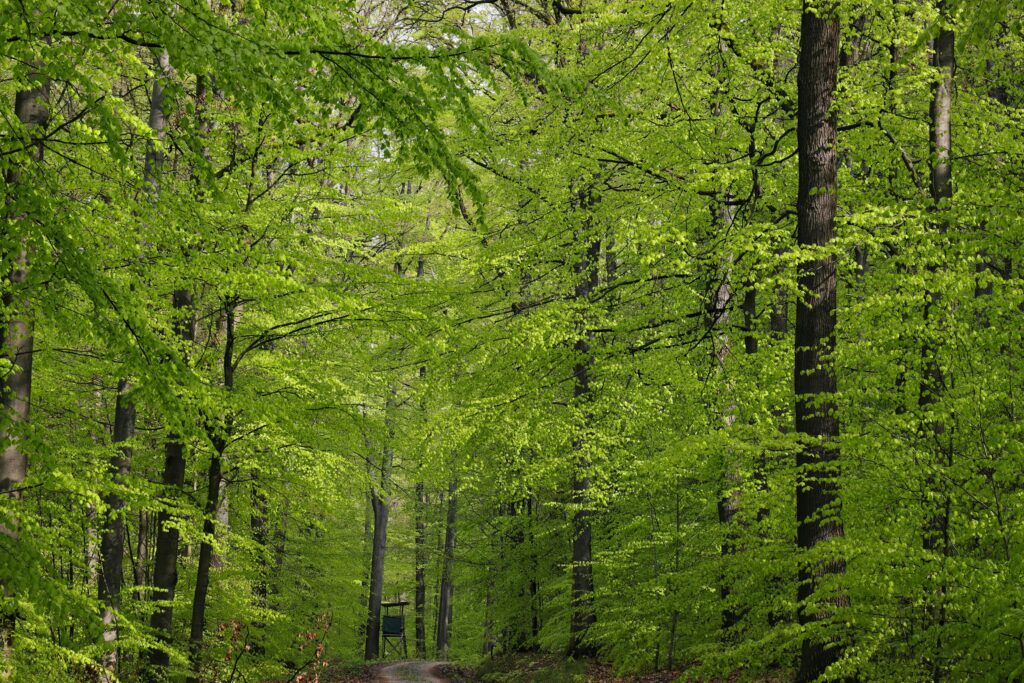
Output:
[[411, 672]]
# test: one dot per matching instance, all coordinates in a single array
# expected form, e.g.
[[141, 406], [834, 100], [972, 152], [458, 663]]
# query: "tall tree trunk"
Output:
[[140, 575], [729, 502], [534, 588], [488, 648], [381, 506], [112, 540], [936, 532], [420, 600], [676, 552], [165, 561], [444, 609], [220, 437], [583, 615], [259, 525], [31, 107], [817, 495], [381, 509], [421, 571], [198, 621]]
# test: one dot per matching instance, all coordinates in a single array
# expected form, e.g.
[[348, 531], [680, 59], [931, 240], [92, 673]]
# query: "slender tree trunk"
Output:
[[444, 610], [729, 502], [420, 606], [165, 572], [31, 107], [936, 532], [165, 562], [421, 571], [531, 511], [818, 493], [141, 573], [488, 648], [198, 622], [670, 659], [214, 484], [280, 538], [381, 506], [112, 540], [259, 525], [583, 615]]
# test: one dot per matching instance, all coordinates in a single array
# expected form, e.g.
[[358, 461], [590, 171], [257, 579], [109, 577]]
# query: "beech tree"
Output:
[[661, 335]]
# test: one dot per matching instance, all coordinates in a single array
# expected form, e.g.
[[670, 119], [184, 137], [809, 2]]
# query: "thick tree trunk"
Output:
[[817, 496], [381, 509], [444, 609], [31, 107]]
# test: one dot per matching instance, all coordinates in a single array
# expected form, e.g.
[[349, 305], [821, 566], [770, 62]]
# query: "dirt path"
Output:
[[411, 672]]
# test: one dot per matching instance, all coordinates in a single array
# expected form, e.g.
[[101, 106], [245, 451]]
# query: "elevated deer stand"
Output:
[[393, 628]]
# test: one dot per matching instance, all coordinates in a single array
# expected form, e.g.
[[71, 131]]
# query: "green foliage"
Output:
[[391, 210]]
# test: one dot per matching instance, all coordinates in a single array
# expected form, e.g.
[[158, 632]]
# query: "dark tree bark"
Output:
[[444, 609], [258, 524], [818, 493], [31, 107], [676, 553], [583, 615], [112, 539], [198, 621], [140, 575], [165, 561], [381, 509], [421, 571], [219, 436], [749, 316], [420, 606]]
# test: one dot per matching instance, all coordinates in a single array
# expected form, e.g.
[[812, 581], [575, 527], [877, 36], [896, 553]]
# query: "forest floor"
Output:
[[411, 672], [398, 672], [519, 668], [513, 669]]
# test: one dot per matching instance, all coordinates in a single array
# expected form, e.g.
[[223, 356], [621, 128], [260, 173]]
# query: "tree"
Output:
[[818, 499]]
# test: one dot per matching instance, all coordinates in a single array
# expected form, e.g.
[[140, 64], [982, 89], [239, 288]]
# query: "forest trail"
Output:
[[411, 672]]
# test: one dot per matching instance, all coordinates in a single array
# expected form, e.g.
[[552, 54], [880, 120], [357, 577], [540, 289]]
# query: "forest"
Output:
[[593, 339]]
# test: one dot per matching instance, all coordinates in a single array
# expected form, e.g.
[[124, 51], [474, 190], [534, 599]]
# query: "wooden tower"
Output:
[[393, 628]]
